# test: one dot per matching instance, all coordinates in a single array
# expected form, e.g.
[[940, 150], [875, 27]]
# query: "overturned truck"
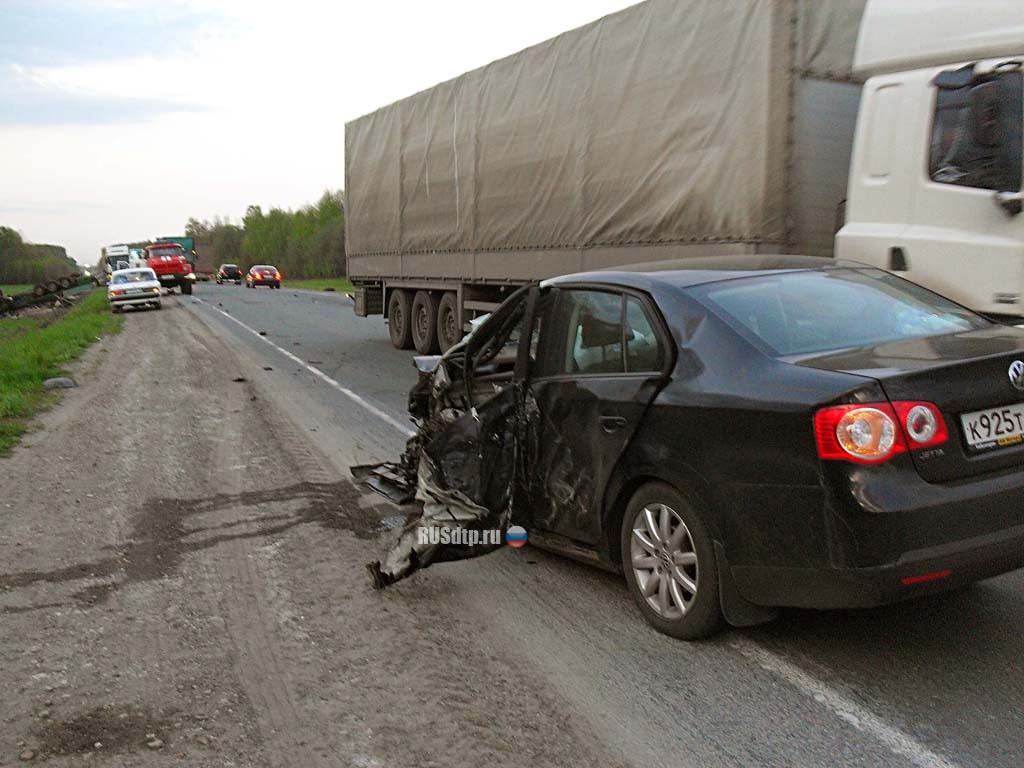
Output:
[[674, 128]]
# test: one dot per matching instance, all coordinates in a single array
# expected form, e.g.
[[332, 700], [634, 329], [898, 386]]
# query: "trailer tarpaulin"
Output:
[[664, 123]]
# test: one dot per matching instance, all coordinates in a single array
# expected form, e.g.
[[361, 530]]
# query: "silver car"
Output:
[[133, 288]]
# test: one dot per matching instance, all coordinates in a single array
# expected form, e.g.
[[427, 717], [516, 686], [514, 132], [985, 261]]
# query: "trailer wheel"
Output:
[[424, 322], [53, 286], [449, 324], [400, 319], [65, 283]]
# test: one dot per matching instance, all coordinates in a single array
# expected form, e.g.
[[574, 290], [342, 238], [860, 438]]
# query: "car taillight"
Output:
[[870, 433], [866, 433], [277, 275], [116, 292], [922, 423]]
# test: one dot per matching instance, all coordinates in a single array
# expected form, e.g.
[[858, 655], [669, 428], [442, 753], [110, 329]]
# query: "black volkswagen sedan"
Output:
[[740, 434]]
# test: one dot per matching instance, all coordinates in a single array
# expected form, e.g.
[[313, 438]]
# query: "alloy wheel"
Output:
[[664, 560]]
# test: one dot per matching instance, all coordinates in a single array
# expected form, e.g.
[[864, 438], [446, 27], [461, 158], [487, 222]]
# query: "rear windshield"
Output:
[[799, 313], [139, 276]]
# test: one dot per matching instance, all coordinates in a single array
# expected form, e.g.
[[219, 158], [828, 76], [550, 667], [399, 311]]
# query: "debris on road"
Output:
[[61, 382], [239, 379]]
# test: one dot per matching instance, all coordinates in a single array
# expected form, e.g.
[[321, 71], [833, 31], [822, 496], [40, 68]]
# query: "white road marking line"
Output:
[[404, 429], [854, 714]]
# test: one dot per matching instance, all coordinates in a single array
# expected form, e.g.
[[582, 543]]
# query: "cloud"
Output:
[[54, 56], [25, 103], [67, 32]]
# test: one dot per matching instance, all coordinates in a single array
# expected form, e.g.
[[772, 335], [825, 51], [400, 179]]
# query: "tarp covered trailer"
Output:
[[673, 128]]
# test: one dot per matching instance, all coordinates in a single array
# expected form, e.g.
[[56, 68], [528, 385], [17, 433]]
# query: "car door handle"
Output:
[[612, 423]]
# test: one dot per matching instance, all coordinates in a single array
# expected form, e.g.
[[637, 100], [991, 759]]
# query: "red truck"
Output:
[[171, 267]]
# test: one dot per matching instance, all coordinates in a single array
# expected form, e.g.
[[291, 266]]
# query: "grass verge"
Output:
[[32, 351], [339, 284], [10, 290]]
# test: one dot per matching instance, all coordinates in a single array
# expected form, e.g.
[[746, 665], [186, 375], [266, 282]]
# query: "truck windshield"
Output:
[[799, 313], [172, 252]]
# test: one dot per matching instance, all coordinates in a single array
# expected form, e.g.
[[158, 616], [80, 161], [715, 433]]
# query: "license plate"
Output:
[[994, 428]]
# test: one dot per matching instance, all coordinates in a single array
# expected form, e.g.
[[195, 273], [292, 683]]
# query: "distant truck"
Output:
[[685, 128], [115, 257], [171, 266], [188, 246]]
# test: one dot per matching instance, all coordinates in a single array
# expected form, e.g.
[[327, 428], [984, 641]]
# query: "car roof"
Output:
[[132, 269], [685, 273]]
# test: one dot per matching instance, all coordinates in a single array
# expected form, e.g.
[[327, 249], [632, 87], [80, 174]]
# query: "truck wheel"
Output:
[[400, 319], [449, 324], [424, 322], [186, 288]]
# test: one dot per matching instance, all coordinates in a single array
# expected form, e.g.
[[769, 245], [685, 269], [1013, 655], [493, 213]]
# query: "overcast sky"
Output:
[[120, 119]]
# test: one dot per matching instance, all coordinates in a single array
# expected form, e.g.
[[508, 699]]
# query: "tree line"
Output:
[[309, 242], [22, 262]]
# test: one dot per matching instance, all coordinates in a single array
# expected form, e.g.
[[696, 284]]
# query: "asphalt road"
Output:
[[935, 682]]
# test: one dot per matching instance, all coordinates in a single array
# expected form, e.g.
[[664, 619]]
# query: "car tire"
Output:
[[400, 319], [449, 324], [186, 289], [678, 594], [424, 322]]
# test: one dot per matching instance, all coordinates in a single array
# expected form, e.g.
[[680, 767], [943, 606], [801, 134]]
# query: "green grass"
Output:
[[10, 290], [32, 351], [339, 284]]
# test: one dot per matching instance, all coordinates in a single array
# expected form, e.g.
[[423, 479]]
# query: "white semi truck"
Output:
[[935, 182], [680, 128]]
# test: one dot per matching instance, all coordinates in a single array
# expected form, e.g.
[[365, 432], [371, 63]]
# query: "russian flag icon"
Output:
[[516, 536]]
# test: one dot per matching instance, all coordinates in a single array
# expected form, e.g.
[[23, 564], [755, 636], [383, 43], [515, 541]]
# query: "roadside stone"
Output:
[[27, 755], [61, 382], [155, 744]]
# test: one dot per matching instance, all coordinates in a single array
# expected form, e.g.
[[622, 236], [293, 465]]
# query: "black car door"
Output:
[[601, 361]]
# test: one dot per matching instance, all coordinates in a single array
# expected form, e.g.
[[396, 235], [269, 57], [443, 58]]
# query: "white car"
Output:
[[133, 288]]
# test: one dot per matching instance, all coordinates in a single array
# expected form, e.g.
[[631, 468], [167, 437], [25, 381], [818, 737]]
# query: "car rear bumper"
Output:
[[274, 283], [915, 573], [854, 539], [127, 301]]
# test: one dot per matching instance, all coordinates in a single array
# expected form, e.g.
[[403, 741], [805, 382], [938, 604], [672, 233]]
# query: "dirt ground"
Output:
[[182, 583]]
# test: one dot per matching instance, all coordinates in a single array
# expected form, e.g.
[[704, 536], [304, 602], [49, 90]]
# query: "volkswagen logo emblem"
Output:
[[1017, 375]]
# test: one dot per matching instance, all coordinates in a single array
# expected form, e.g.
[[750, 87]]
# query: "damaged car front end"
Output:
[[461, 466]]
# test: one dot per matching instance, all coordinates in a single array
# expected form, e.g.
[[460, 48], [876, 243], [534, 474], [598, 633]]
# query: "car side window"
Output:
[[643, 352], [593, 332]]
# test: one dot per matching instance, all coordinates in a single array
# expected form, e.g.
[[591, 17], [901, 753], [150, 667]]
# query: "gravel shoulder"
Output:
[[181, 582]]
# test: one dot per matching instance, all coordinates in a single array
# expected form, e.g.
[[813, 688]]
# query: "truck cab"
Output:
[[934, 190]]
